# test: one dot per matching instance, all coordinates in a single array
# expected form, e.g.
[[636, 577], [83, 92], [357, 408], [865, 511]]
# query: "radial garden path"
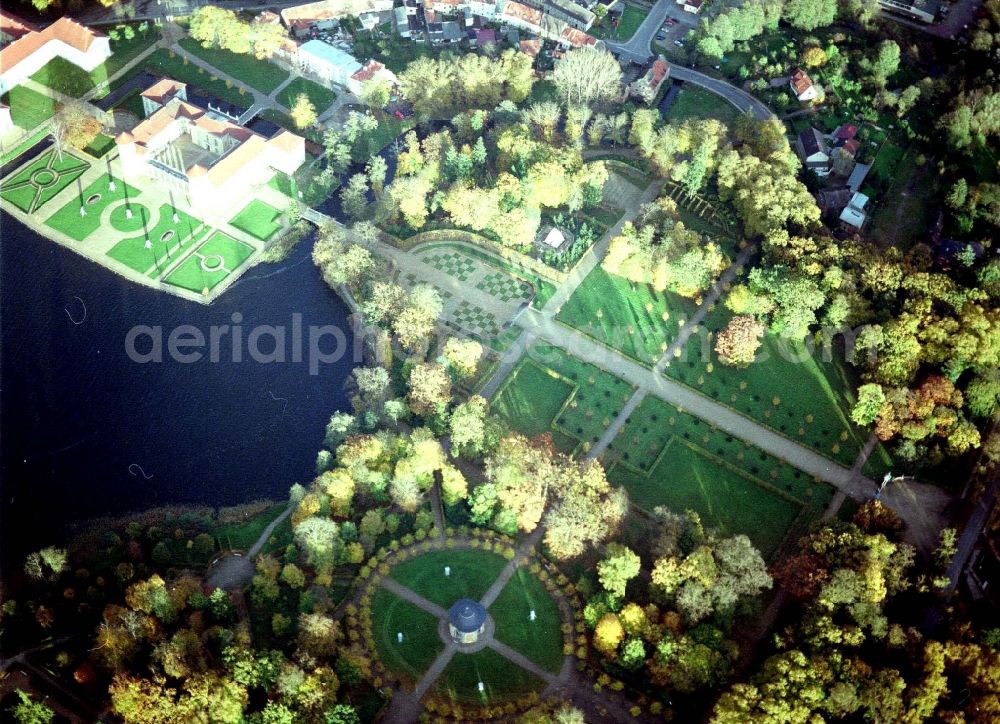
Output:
[[406, 706]]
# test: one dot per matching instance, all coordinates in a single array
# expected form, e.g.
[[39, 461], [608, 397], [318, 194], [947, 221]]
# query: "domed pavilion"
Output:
[[466, 621]]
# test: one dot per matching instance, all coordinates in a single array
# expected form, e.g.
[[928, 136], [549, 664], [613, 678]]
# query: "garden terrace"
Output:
[[664, 456], [634, 319], [551, 391]]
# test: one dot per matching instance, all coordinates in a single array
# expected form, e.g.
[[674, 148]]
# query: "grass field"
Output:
[[242, 535], [132, 252], [160, 63], [540, 640], [259, 74], [674, 459], [320, 96], [64, 77], [813, 396], [120, 221], [472, 572], [210, 263], [96, 197], [630, 21], [28, 108], [421, 643], [258, 219], [29, 142], [554, 392], [638, 322], [694, 102], [502, 679], [40, 181]]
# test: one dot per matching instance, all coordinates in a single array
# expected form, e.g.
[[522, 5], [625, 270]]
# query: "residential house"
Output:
[[531, 47], [845, 132], [854, 214], [843, 160], [486, 36], [802, 86], [691, 6], [813, 151], [212, 160], [833, 201], [302, 20], [858, 176], [401, 21], [646, 87], [26, 49], [568, 11]]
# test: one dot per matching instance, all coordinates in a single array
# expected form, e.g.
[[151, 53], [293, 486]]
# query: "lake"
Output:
[[87, 431]]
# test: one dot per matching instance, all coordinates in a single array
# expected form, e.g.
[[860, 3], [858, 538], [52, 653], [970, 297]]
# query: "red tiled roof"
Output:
[[523, 12], [852, 146], [68, 31], [658, 73], [13, 26], [577, 38], [163, 90], [531, 47], [846, 132], [368, 71], [801, 82], [486, 35]]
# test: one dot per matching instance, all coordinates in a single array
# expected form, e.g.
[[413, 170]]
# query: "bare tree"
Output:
[[586, 75]]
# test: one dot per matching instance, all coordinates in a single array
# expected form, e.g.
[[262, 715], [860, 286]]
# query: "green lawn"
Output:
[[531, 398], [165, 247], [502, 680], [630, 21], [259, 74], [29, 142], [71, 80], [674, 459], [29, 109], [96, 197], [160, 62], [258, 219], [814, 397], [555, 392], [638, 322], [242, 535], [472, 572], [320, 96], [40, 181], [121, 221], [421, 643], [540, 640], [694, 102], [210, 263]]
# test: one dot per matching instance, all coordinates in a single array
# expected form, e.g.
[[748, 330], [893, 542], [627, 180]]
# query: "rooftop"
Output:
[[334, 56], [800, 82], [466, 615], [30, 40]]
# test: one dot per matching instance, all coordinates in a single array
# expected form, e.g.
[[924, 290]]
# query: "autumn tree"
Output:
[[738, 343], [430, 389], [617, 568], [303, 112]]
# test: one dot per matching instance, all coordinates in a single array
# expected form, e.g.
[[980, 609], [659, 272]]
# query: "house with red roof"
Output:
[[802, 86], [646, 87], [26, 49]]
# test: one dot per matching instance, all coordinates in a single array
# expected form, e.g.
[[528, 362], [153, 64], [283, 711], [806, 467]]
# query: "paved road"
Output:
[[638, 46], [737, 96]]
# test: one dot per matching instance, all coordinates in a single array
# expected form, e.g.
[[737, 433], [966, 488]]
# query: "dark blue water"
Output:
[[76, 412]]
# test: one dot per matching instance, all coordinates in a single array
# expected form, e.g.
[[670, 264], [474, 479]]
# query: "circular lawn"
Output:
[[526, 619]]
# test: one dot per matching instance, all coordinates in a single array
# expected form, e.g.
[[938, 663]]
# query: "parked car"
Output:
[[661, 36], [679, 43]]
